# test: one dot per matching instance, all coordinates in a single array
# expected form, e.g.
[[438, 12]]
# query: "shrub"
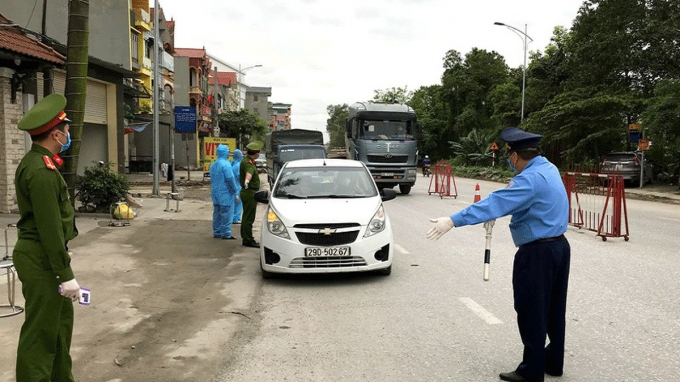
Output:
[[100, 187]]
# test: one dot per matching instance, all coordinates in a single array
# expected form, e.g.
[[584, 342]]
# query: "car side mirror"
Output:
[[387, 194], [262, 196]]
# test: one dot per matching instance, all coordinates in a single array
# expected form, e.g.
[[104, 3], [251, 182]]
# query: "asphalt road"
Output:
[[435, 319]]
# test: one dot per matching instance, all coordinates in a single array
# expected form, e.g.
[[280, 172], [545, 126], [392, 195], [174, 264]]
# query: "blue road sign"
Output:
[[185, 119]]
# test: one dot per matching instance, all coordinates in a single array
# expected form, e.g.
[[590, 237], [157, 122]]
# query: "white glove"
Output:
[[246, 183], [442, 226], [238, 198], [71, 289]]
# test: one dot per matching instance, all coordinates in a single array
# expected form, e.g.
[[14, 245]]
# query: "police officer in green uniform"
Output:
[[40, 255], [250, 183]]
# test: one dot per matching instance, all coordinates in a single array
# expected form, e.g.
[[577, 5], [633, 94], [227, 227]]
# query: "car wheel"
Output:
[[404, 189], [267, 275], [385, 271]]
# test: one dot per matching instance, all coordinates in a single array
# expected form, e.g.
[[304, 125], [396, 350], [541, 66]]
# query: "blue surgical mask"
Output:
[[66, 145]]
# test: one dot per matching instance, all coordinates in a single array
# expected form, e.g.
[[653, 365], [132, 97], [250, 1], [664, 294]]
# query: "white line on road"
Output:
[[480, 311], [674, 220], [401, 249], [464, 202]]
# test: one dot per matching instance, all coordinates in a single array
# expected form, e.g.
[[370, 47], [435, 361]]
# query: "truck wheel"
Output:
[[404, 189]]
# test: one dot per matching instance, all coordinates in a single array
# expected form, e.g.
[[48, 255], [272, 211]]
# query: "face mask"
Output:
[[66, 145], [511, 166]]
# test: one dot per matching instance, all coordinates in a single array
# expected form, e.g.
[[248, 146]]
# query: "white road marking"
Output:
[[674, 220], [401, 249], [464, 202], [480, 311]]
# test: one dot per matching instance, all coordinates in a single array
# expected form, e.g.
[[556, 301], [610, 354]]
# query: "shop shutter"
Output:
[[95, 102]]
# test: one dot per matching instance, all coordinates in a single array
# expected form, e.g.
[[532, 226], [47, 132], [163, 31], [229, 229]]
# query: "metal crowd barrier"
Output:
[[442, 179], [597, 202]]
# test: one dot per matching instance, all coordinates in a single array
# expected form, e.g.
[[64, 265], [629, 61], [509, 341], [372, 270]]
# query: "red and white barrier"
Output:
[[442, 179], [597, 202]]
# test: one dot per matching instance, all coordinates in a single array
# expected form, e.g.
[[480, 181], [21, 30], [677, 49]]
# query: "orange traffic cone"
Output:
[[477, 196]]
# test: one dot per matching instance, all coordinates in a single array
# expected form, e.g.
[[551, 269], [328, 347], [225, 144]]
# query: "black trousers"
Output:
[[540, 278]]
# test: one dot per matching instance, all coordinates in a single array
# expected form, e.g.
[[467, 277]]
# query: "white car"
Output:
[[325, 216]]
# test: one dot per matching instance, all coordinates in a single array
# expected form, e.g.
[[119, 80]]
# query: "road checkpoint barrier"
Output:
[[442, 178], [597, 202]]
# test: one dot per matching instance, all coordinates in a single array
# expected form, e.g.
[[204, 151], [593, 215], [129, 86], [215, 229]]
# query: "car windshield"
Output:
[[291, 154], [325, 182], [387, 130], [620, 157]]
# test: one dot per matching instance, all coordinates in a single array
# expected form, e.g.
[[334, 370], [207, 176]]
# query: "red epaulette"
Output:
[[57, 159], [49, 163]]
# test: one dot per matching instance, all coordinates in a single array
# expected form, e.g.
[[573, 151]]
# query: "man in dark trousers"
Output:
[[250, 183], [40, 255], [539, 206]]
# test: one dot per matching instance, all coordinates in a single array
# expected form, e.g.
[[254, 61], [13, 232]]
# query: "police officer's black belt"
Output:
[[547, 239]]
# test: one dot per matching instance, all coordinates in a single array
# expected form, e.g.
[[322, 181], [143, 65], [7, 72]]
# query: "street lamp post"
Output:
[[524, 37]]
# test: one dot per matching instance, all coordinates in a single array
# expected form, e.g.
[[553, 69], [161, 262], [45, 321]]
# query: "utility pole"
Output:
[[216, 124], [156, 143]]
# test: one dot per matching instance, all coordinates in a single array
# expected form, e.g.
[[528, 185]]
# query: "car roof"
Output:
[[320, 163]]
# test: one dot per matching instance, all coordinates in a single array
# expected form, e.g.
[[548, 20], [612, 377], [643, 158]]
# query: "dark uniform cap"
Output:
[[46, 114], [255, 146], [519, 140]]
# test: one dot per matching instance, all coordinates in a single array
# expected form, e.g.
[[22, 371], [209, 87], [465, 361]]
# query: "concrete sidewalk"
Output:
[[166, 296]]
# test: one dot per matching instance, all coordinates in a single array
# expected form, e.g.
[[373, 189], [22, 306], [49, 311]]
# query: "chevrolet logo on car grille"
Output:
[[327, 231]]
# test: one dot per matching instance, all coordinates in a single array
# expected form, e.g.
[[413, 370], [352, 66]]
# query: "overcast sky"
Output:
[[321, 52]]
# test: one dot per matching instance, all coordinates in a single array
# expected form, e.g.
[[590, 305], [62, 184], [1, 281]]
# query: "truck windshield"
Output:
[[387, 130], [329, 182], [291, 154]]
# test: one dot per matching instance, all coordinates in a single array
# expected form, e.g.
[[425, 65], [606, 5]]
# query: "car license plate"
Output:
[[326, 251], [387, 174]]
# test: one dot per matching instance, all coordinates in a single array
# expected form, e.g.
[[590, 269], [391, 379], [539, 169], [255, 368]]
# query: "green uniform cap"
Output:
[[255, 146], [46, 114]]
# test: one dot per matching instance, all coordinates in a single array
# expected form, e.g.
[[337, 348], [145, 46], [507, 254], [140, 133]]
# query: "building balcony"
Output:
[[168, 62], [196, 90], [143, 20]]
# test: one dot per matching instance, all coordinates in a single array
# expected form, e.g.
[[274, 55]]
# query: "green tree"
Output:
[[335, 124], [76, 85], [474, 148], [661, 125], [241, 124], [393, 95], [431, 110], [467, 88]]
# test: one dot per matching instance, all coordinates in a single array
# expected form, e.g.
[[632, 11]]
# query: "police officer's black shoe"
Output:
[[514, 377], [252, 244]]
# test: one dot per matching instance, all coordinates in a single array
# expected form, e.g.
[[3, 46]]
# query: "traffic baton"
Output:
[[488, 226]]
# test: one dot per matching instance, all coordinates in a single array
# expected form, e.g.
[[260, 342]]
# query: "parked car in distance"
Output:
[[325, 216], [626, 163], [261, 161]]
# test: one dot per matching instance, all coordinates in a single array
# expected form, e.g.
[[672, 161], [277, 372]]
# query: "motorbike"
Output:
[[426, 169]]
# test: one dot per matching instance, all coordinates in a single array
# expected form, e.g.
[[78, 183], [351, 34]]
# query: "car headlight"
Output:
[[377, 223], [275, 225]]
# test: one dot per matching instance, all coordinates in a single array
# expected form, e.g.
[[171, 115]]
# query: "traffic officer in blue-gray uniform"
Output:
[[539, 206], [223, 193], [40, 255]]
